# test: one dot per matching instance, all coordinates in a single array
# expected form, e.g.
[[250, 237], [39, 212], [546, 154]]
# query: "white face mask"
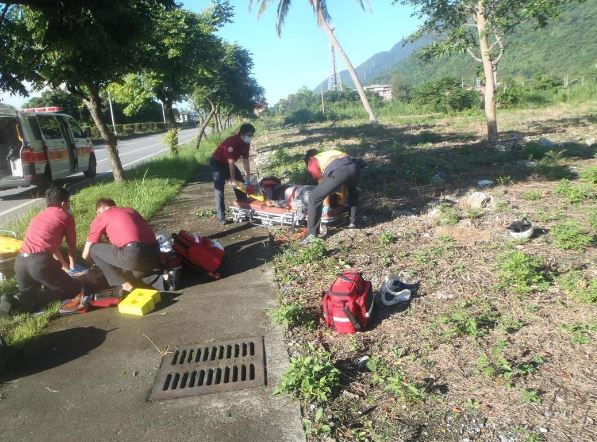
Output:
[[247, 138]]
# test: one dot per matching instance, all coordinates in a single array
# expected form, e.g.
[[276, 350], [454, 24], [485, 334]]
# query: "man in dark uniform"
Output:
[[223, 166], [40, 268], [133, 252], [331, 169]]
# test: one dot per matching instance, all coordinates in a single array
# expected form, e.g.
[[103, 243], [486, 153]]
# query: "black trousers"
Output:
[[347, 174], [221, 173], [41, 280], [130, 263]]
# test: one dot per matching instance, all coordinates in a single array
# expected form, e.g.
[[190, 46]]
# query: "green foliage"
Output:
[[386, 238], [530, 396], [574, 193], [592, 218], [551, 167], [205, 213], [495, 364], [581, 334], [578, 287], [395, 380], [317, 426], [589, 175], [570, 235], [521, 273], [444, 95], [171, 140], [8, 286], [471, 318], [297, 254], [310, 378], [291, 315], [304, 115], [448, 215], [532, 195]]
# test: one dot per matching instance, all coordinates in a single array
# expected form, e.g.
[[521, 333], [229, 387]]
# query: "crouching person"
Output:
[[331, 169], [40, 268], [133, 252]]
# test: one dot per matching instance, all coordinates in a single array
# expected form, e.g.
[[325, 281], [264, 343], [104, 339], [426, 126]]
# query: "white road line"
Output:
[[141, 148], [20, 206]]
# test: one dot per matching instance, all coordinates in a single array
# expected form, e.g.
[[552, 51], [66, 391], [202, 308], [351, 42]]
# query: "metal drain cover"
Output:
[[210, 368]]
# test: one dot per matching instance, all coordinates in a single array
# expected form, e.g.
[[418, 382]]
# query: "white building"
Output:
[[383, 90]]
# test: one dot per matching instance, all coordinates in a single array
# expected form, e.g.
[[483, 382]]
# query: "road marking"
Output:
[[20, 206], [141, 148]]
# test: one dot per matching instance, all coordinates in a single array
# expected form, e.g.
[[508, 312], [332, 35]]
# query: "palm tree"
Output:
[[323, 19]]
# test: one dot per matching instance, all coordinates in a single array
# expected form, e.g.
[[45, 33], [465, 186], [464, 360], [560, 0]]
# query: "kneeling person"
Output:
[[40, 262], [133, 252]]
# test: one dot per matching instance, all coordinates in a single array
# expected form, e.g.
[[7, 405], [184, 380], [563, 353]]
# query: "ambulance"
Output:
[[41, 145]]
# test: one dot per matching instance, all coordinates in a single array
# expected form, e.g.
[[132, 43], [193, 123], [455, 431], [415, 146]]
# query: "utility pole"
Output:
[[163, 113], [112, 114], [334, 81], [322, 103]]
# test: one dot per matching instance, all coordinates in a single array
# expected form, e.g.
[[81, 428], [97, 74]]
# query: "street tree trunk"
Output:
[[488, 70], [204, 125], [93, 103], [353, 73], [169, 111]]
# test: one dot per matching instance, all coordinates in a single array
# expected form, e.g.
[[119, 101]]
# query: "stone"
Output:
[[397, 213], [526, 164], [501, 148], [591, 141], [437, 180], [478, 200], [484, 183], [546, 143]]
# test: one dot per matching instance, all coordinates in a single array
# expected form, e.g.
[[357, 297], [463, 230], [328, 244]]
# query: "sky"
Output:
[[298, 58]]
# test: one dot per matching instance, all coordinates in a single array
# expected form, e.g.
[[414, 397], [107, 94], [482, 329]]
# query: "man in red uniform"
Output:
[[133, 253], [223, 166], [40, 261]]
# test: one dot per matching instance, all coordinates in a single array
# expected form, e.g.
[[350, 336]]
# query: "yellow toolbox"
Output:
[[139, 302]]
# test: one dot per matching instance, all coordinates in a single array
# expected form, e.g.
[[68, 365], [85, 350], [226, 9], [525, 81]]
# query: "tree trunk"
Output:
[[353, 74], [490, 112], [204, 125], [93, 103], [169, 111]]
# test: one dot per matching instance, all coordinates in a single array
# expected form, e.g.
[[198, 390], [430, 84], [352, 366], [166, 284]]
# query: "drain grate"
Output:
[[210, 368]]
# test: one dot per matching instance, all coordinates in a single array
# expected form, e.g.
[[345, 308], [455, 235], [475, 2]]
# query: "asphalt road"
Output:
[[14, 202]]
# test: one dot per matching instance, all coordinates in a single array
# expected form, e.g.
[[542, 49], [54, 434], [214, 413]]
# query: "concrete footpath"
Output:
[[88, 377]]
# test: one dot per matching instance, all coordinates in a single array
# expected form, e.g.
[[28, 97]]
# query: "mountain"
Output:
[[376, 65], [567, 46]]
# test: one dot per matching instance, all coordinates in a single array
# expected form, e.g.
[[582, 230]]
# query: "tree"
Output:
[[70, 103], [480, 28], [84, 45], [323, 20]]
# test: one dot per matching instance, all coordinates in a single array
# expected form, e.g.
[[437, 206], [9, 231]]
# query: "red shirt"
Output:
[[232, 148], [122, 226], [46, 230], [314, 169]]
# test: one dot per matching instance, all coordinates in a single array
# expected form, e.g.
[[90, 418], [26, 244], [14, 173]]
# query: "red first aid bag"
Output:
[[348, 303], [198, 251]]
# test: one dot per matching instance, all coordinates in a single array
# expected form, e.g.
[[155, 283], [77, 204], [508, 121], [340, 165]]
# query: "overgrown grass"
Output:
[[570, 235], [521, 273]]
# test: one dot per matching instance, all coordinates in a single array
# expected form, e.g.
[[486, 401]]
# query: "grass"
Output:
[[570, 235], [471, 318], [521, 273], [578, 287], [149, 187], [291, 315]]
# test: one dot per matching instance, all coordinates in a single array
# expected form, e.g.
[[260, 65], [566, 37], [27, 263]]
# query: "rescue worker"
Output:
[[224, 169], [40, 268], [133, 252], [331, 169]]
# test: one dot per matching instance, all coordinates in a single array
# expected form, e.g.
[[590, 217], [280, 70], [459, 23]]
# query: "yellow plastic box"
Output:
[[139, 302]]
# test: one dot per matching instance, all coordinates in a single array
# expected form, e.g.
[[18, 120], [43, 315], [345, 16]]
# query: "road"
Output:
[[14, 202]]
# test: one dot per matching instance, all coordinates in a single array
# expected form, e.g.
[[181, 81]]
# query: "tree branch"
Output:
[[498, 40], [472, 54]]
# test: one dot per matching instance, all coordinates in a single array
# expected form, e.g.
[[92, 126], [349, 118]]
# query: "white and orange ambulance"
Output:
[[40, 145]]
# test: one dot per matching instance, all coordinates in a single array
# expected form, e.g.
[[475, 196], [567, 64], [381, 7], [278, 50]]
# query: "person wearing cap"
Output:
[[224, 169], [133, 252], [40, 268], [331, 169]]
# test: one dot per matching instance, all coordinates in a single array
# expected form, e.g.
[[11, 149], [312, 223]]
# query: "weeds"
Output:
[[448, 215], [205, 213], [495, 364], [589, 175], [580, 334], [574, 193], [313, 253], [530, 396], [291, 316], [550, 166], [317, 426], [471, 318], [532, 195], [394, 380], [578, 287], [310, 378], [570, 235], [521, 273], [387, 238]]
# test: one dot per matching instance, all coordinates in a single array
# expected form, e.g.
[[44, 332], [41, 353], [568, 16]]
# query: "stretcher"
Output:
[[257, 210]]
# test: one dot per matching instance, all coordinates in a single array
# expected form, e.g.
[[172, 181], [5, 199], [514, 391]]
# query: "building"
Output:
[[383, 90]]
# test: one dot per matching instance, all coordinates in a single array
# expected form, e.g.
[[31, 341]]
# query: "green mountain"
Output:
[[568, 46]]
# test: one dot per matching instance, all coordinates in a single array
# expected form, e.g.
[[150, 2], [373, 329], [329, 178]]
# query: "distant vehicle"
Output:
[[40, 145]]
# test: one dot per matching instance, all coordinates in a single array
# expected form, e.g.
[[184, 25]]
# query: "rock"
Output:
[[443, 296], [362, 364], [437, 180], [525, 164], [591, 141], [501, 148], [543, 430], [546, 143], [403, 213], [484, 183], [478, 200], [435, 212], [433, 203]]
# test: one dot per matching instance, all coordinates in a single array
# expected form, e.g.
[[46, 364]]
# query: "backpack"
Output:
[[348, 303], [200, 252]]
